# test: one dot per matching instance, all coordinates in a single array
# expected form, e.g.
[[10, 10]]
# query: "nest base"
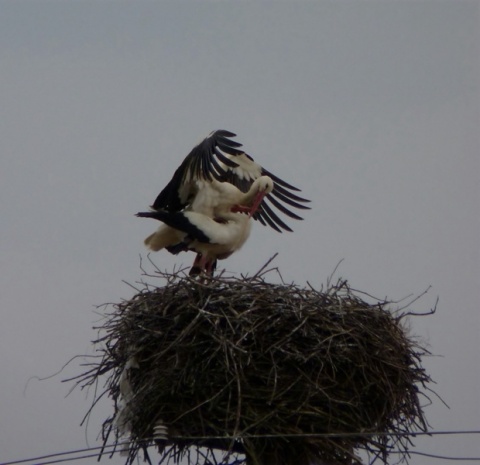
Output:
[[275, 372]]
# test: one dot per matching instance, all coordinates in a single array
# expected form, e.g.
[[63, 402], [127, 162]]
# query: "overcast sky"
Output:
[[371, 107]]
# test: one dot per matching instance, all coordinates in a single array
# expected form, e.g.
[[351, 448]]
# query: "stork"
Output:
[[203, 206]]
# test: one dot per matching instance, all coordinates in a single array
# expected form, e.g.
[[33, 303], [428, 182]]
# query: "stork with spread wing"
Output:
[[208, 204]]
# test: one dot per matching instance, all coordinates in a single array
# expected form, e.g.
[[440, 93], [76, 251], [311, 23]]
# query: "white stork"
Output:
[[203, 205]]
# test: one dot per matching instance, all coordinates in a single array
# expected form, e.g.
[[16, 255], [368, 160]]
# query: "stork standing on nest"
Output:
[[213, 194]]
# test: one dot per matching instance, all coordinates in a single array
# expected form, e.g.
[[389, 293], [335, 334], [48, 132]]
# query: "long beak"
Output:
[[256, 203]]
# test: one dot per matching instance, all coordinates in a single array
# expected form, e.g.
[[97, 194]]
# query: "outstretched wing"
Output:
[[282, 198], [219, 157], [207, 161]]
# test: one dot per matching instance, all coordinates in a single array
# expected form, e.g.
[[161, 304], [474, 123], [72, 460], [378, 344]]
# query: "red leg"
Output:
[[196, 268], [209, 268]]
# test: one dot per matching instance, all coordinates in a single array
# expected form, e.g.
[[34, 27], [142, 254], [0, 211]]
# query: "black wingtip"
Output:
[[224, 132], [143, 214], [156, 215]]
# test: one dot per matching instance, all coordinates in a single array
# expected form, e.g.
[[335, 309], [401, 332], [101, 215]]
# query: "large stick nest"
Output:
[[274, 372]]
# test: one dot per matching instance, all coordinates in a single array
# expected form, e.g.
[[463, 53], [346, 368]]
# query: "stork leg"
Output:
[[202, 265], [210, 267], [196, 268]]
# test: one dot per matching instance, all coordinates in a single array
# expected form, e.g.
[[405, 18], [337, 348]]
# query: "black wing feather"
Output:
[[285, 192], [286, 197], [225, 159], [261, 213], [273, 216], [201, 163], [282, 192], [177, 220], [204, 162], [218, 172], [277, 180], [283, 209]]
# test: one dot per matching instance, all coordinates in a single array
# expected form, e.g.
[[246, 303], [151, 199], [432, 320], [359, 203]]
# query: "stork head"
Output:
[[250, 201], [263, 184]]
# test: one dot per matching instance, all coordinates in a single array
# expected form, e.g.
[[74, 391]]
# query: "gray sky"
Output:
[[371, 107]]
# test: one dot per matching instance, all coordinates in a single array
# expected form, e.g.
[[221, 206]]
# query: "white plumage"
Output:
[[208, 204], [216, 239]]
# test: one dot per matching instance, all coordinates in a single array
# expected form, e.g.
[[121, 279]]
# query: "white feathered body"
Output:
[[226, 234], [211, 199]]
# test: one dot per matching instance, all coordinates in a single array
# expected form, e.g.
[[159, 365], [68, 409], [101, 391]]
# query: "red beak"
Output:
[[256, 203]]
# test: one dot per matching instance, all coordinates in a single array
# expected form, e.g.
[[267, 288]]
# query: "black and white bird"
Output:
[[208, 204]]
